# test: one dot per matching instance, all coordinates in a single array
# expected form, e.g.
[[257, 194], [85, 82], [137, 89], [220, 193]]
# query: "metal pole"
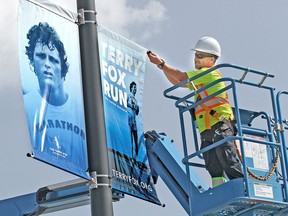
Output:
[[100, 189]]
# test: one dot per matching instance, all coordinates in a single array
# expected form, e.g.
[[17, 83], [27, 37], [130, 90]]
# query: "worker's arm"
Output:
[[173, 75]]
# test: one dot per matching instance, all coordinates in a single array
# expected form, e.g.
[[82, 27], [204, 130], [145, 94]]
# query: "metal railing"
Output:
[[186, 103]]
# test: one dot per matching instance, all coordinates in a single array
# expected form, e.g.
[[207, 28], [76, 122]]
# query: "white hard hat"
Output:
[[208, 45]]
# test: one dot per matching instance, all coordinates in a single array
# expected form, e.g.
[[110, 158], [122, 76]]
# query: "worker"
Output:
[[214, 116]]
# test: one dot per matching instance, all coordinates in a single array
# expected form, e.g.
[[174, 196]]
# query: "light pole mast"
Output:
[[100, 188]]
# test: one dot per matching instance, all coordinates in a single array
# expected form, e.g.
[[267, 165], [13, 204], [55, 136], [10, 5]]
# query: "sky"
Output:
[[252, 34]]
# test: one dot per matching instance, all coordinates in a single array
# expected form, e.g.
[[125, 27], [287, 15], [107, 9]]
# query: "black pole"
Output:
[[100, 189]]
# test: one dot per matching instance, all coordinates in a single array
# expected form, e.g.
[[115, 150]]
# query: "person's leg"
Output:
[[227, 155], [212, 162], [135, 135]]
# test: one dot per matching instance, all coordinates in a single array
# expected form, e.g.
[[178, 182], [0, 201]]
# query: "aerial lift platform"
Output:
[[263, 151], [262, 191]]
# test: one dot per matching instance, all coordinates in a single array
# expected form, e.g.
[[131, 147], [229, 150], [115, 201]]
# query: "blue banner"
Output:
[[123, 68], [52, 89]]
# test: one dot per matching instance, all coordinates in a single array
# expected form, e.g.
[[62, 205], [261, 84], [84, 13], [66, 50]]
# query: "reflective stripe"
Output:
[[211, 103], [216, 181], [204, 93], [220, 100]]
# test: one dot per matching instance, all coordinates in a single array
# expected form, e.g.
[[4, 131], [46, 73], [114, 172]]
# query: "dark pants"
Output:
[[134, 136], [223, 158]]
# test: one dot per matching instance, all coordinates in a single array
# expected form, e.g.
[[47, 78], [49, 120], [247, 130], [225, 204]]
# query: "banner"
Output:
[[122, 68], [52, 89]]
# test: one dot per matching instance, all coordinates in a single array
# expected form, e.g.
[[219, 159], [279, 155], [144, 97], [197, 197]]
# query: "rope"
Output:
[[261, 178]]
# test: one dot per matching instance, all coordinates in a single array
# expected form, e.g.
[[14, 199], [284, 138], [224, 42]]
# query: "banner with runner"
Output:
[[49, 58], [123, 69]]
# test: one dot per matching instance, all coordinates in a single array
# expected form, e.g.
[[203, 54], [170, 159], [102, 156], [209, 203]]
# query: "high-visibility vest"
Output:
[[209, 105], [218, 104]]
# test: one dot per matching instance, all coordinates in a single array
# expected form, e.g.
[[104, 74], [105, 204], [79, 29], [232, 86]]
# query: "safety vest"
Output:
[[209, 106], [211, 111]]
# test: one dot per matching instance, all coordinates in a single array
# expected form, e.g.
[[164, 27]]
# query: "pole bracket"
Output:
[[86, 16], [100, 180]]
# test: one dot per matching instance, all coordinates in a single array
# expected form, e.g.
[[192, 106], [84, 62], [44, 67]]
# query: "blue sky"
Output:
[[252, 34]]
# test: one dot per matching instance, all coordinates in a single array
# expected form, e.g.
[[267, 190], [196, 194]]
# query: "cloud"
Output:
[[136, 22]]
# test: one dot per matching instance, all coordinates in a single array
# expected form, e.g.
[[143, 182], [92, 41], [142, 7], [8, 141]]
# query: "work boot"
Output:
[[218, 181]]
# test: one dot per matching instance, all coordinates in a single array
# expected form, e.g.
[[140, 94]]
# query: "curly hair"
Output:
[[46, 35], [132, 84]]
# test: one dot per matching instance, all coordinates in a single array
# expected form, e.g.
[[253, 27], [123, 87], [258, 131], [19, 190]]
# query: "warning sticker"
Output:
[[258, 152], [263, 190]]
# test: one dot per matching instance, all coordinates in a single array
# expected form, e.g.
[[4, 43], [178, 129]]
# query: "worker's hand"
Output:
[[155, 59]]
